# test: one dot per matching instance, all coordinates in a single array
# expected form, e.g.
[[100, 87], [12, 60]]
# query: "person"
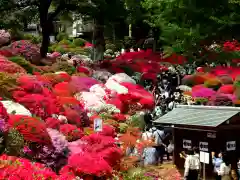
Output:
[[192, 166], [159, 136], [170, 149], [131, 151], [225, 169], [238, 168], [149, 155], [196, 152], [217, 161], [147, 135]]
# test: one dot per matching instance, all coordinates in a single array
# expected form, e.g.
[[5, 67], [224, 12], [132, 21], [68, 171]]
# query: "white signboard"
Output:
[[231, 146], [204, 157], [187, 144], [203, 146], [98, 125]]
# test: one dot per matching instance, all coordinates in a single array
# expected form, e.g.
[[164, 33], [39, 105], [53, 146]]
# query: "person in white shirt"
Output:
[[147, 135], [225, 169], [170, 149], [192, 166]]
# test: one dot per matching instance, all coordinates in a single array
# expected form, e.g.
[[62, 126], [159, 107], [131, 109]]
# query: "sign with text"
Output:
[[203, 146], [187, 144], [204, 157], [98, 125], [231, 146]]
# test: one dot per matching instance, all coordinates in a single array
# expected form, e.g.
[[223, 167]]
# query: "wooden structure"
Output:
[[207, 127]]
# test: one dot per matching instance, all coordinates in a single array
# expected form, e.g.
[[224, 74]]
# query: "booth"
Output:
[[210, 128]]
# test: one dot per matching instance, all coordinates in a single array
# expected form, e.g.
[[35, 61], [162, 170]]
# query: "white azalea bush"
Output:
[[122, 77], [15, 108]]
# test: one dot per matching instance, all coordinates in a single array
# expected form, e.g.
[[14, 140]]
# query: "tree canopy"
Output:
[[186, 24]]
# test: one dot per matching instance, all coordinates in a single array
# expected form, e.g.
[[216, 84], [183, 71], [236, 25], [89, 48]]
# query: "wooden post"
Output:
[[174, 150], [204, 172]]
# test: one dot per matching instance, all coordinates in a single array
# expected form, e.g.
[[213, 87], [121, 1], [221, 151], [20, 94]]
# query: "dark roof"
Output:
[[208, 116]]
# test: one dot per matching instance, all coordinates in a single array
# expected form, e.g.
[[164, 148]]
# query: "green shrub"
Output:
[[60, 49], [27, 36], [50, 49], [79, 42], [36, 39], [62, 36], [65, 42], [64, 66], [23, 63], [111, 46], [16, 34], [72, 45]]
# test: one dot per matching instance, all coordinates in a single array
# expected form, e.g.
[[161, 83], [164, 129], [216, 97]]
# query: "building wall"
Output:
[[214, 144]]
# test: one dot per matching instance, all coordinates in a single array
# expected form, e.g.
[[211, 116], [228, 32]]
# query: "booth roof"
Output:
[[208, 116]]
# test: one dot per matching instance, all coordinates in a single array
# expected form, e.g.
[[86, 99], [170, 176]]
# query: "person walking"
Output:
[[238, 168], [225, 169], [170, 149], [217, 161], [147, 135], [149, 155], [159, 137], [192, 166]]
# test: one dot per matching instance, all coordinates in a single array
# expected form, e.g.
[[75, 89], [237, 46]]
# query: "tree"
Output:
[[102, 11], [186, 24]]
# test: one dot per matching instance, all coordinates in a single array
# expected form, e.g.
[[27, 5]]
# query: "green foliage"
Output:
[[128, 42], [7, 84], [64, 66], [60, 49], [111, 46], [137, 121], [33, 38], [22, 62], [123, 127], [79, 42], [16, 34], [61, 36], [136, 174], [64, 42], [185, 24], [14, 143]]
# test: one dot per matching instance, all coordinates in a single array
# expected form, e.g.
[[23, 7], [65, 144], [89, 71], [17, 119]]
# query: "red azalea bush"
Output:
[[108, 131], [32, 129], [3, 113], [14, 168], [137, 94], [98, 157], [40, 105], [226, 89], [87, 166], [52, 123], [30, 84], [64, 89], [73, 117], [71, 132], [68, 101]]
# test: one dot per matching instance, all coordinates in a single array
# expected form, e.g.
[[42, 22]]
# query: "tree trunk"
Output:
[[45, 41], [99, 41]]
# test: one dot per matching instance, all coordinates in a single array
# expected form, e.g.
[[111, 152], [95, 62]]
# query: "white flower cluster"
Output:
[[16, 108], [94, 100]]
